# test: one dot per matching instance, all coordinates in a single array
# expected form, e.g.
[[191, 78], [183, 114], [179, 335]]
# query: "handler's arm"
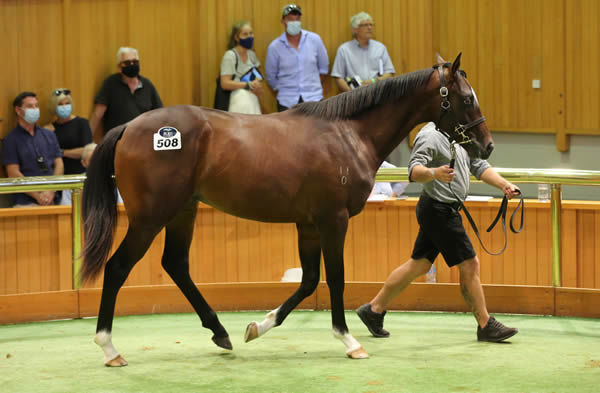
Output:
[[491, 177], [422, 174]]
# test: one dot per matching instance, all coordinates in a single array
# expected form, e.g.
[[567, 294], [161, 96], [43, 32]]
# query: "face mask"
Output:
[[131, 70], [294, 27], [32, 115], [64, 111], [247, 42]]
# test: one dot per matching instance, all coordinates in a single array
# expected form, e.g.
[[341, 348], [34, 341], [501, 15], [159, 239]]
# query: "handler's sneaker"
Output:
[[495, 331], [373, 320]]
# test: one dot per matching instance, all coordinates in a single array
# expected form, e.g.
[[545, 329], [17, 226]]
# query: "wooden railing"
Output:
[[386, 240]]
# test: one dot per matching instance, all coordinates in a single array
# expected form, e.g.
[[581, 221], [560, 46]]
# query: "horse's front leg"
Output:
[[309, 247], [333, 234]]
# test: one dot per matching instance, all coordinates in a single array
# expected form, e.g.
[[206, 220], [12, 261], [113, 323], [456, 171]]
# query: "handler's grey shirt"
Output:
[[352, 59], [432, 150]]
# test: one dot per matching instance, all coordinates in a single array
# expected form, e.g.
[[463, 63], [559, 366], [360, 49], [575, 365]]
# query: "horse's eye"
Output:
[[468, 101]]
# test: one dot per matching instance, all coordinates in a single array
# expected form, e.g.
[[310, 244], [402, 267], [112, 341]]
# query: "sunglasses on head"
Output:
[[130, 62], [58, 92]]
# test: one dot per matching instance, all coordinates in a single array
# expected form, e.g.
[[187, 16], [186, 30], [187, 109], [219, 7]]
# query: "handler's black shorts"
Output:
[[441, 230]]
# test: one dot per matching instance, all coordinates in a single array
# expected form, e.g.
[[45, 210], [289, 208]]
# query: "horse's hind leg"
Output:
[[309, 246], [175, 261], [130, 251]]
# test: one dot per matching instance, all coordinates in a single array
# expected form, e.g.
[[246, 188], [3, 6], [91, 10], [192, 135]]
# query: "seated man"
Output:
[[386, 188], [363, 60], [30, 150]]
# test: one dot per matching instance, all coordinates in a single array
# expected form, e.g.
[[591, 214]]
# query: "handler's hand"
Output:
[[444, 173], [510, 190]]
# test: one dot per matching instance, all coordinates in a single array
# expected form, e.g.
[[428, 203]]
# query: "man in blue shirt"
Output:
[[30, 150], [363, 60], [297, 62]]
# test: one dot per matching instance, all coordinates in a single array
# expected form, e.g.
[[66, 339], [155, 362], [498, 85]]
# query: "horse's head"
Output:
[[460, 115]]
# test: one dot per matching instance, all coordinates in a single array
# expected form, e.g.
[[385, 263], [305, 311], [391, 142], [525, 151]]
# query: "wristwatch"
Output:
[[247, 87]]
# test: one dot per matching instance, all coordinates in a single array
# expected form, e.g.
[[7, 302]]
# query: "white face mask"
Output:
[[294, 27], [31, 115]]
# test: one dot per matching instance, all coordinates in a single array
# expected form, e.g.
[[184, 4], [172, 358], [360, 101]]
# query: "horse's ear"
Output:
[[439, 58], [456, 64]]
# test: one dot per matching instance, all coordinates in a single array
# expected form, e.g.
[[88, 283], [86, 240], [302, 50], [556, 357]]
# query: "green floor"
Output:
[[427, 352]]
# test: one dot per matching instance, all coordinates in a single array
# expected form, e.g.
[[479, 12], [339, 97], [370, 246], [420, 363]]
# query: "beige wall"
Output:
[[505, 44]]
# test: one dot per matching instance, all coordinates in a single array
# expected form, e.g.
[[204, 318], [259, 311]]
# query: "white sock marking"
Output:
[[268, 323], [349, 341], [104, 339]]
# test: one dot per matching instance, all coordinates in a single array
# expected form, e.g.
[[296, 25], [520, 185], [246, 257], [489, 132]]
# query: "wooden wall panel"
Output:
[[72, 43], [500, 70], [9, 70], [94, 32], [582, 52]]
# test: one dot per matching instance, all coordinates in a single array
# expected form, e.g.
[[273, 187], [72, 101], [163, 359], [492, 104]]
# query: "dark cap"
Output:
[[291, 9]]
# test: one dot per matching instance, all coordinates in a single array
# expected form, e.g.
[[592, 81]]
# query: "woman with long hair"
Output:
[[239, 71]]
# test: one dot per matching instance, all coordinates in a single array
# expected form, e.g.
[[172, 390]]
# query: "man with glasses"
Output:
[[363, 60], [297, 62], [30, 150], [123, 96]]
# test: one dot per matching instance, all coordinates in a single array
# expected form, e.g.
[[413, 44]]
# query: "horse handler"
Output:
[[441, 230]]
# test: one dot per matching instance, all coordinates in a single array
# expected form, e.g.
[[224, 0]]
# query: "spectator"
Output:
[[363, 60], [123, 96], [297, 62], [239, 71], [86, 155], [72, 132], [386, 188], [30, 150]]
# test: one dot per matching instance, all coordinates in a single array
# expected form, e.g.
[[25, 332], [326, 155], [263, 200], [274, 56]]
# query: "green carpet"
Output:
[[427, 352]]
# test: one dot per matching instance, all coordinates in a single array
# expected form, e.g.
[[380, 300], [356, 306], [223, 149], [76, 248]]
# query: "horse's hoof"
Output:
[[116, 362], [251, 332], [360, 353], [222, 342]]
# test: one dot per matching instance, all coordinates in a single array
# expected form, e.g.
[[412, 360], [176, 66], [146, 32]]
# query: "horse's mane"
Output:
[[355, 102]]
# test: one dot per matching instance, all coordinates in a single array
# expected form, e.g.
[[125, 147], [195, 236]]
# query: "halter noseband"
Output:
[[459, 129]]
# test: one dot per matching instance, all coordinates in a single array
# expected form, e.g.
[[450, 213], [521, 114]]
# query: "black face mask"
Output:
[[131, 70]]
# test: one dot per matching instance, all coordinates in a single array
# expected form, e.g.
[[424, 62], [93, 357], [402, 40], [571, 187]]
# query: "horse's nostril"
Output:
[[490, 147]]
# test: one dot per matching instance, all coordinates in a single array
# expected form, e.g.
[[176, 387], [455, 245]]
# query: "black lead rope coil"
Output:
[[501, 213]]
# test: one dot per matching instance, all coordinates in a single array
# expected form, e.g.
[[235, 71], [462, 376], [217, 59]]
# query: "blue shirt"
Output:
[[294, 73], [353, 60], [21, 148]]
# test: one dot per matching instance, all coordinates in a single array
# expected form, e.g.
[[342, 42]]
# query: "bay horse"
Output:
[[313, 165]]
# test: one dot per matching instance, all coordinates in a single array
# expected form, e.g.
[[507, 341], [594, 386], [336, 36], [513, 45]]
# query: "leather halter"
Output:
[[459, 129]]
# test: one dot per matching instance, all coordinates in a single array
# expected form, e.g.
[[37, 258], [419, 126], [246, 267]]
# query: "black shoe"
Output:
[[373, 320], [495, 331]]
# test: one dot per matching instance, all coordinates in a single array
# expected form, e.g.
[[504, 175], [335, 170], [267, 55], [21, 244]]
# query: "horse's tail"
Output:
[[99, 205]]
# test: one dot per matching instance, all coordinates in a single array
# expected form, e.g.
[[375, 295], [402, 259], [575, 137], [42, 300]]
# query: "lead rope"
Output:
[[501, 212]]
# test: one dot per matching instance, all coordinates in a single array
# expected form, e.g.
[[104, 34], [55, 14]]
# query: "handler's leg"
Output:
[[470, 286], [397, 282], [373, 312], [489, 328]]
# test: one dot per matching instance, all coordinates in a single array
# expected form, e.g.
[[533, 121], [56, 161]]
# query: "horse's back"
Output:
[[275, 168]]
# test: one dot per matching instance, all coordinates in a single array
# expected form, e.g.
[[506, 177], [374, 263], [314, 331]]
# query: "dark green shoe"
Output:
[[373, 320]]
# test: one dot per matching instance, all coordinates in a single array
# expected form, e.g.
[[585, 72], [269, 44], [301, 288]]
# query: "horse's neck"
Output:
[[386, 126]]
